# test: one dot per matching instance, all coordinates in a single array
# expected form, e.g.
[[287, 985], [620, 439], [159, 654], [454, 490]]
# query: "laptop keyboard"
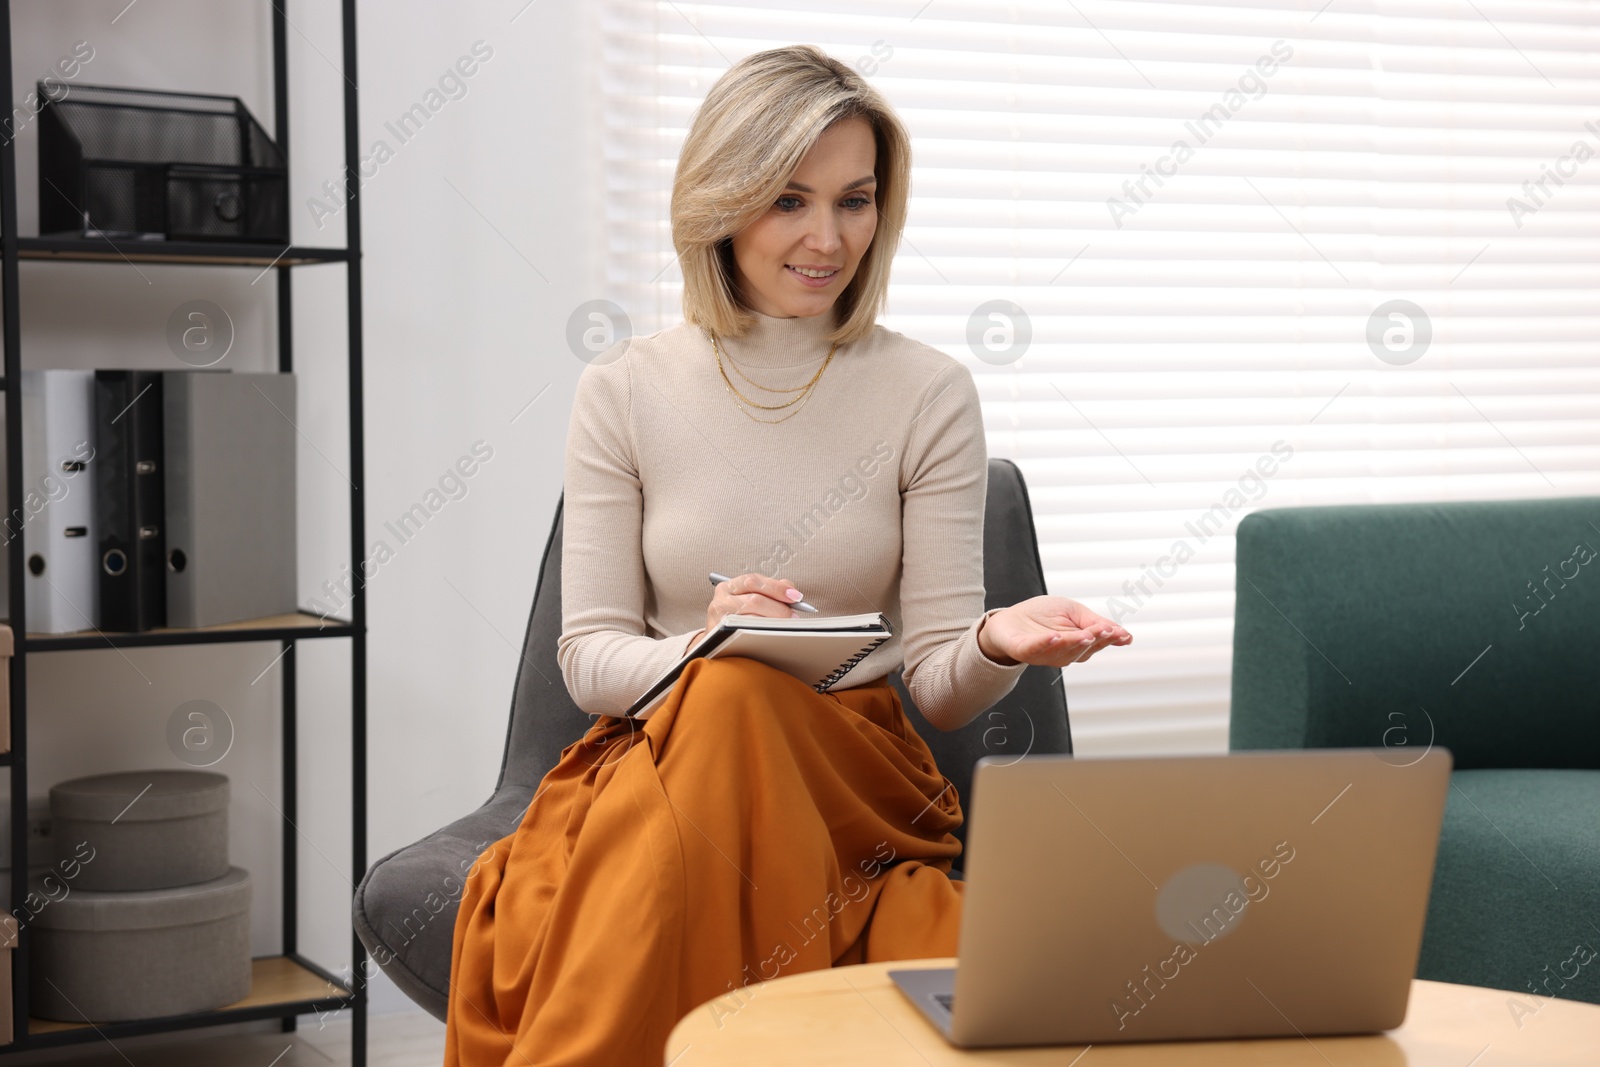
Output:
[[947, 1000]]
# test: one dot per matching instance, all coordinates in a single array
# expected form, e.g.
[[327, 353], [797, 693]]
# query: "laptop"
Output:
[[1254, 894]]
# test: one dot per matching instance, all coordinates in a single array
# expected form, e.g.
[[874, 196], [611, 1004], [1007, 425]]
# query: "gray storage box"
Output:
[[142, 955], [148, 829]]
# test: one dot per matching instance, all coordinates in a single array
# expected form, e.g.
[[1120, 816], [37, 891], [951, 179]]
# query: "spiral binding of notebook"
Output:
[[845, 667]]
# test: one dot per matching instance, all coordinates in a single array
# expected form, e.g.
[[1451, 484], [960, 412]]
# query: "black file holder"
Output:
[[130, 474], [149, 165]]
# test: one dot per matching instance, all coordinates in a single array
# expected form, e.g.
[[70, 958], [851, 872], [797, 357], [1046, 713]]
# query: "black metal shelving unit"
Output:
[[288, 985]]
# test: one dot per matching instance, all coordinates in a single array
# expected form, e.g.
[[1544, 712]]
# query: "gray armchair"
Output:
[[405, 907]]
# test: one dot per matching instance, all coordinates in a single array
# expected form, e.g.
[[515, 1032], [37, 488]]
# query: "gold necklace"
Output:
[[737, 396], [757, 384], [769, 407]]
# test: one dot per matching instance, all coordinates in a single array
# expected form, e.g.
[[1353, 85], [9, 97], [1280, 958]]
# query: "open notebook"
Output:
[[818, 651]]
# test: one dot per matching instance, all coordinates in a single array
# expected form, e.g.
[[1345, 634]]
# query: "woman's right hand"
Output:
[[752, 594]]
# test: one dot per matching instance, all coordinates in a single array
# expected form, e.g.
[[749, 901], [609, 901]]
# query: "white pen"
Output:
[[800, 605]]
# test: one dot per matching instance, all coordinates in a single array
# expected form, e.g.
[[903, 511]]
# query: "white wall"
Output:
[[481, 235]]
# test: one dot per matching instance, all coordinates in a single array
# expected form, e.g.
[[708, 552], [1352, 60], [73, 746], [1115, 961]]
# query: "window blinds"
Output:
[[1201, 259]]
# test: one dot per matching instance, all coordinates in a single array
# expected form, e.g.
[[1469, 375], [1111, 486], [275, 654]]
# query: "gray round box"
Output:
[[149, 829], [141, 955]]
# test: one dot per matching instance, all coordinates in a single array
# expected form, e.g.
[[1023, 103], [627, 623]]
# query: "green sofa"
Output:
[[1472, 625]]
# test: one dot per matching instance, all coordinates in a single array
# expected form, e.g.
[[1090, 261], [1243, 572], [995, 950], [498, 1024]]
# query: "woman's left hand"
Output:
[[1048, 631]]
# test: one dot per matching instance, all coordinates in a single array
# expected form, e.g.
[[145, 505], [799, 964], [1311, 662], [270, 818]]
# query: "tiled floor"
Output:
[[411, 1039]]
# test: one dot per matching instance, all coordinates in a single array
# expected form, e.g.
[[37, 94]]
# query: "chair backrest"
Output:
[[1472, 624], [1031, 718]]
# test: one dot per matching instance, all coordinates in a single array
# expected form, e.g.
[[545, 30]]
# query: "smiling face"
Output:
[[823, 222]]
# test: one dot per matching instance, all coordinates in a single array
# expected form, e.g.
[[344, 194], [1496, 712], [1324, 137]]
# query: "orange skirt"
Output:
[[750, 828]]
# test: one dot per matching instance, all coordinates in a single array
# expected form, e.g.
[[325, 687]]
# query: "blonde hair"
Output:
[[744, 144]]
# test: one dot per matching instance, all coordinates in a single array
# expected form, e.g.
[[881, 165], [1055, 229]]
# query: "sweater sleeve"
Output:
[[606, 659], [941, 587]]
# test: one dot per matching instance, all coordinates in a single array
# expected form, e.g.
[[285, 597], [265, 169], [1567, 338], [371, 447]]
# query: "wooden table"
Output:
[[856, 1015]]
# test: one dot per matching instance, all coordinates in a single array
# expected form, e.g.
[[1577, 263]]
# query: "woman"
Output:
[[753, 827]]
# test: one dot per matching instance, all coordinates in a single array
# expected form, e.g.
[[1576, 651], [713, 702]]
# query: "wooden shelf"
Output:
[[209, 253], [295, 624], [279, 986]]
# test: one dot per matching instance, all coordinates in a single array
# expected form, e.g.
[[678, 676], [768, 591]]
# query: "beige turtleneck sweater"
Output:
[[870, 498]]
